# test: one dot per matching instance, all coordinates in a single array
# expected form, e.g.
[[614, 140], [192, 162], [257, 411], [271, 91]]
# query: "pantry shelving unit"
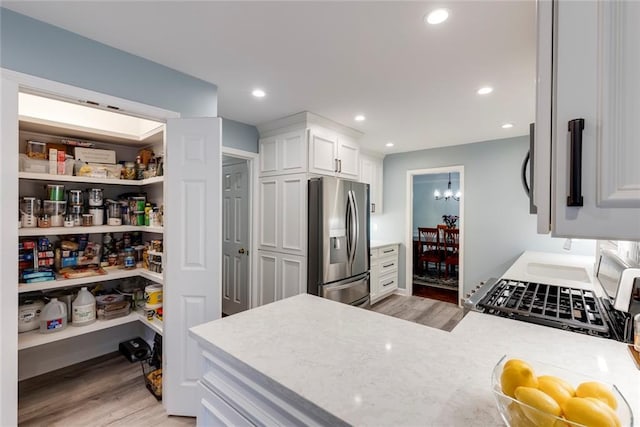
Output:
[[125, 149]]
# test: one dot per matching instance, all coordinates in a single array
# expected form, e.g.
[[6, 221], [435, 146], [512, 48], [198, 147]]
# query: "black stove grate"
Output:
[[552, 305]]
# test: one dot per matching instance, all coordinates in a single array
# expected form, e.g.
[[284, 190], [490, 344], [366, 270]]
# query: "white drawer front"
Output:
[[388, 283], [388, 265], [386, 251], [215, 411]]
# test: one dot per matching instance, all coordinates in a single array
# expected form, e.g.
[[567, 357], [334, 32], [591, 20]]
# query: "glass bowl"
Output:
[[518, 414]]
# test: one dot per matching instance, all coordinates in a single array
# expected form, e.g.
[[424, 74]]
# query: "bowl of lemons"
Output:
[[535, 394]]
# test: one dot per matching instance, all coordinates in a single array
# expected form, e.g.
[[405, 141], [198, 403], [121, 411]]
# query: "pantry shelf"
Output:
[[96, 229], [112, 274], [89, 180], [154, 324], [35, 338]]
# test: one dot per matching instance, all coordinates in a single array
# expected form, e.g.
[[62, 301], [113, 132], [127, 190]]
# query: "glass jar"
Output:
[[44, 221], [129, 171]]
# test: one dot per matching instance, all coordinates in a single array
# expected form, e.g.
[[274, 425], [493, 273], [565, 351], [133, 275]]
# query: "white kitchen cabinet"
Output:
[[281, 275], [333, 154], [282, 214], [384, 272], [594, 69], [371, 173], [191, 149], [283, 154]]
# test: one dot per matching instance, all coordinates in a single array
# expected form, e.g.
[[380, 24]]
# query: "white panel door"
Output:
[[292, 213], [323, 156], [268, 220], [348, 158], [598, 63], [268, 153], [292, 149], [292, 274], [235, 238], [267, 276], [193, 252], [8, 244]]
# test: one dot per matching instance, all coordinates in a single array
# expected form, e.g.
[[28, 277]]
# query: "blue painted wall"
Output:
[[497, 223], [427, 211], [40, 49], [239, 135]]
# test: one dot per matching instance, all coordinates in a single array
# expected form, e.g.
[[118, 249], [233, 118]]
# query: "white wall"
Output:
[[498, 226]]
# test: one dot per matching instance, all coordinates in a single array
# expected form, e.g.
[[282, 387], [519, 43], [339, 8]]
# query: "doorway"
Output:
[[237, 208], [435, 230]]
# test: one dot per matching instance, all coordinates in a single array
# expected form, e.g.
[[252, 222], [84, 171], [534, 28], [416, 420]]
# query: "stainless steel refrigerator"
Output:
[[338, 251]]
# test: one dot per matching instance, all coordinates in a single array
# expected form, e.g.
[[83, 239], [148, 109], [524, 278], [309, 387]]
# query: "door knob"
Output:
[[241, 251]]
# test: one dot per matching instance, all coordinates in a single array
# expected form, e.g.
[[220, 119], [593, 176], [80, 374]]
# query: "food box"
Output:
[[94, 155], [98, 170]]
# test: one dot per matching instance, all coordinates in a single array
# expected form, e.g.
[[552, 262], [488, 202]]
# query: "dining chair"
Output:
[[452, 248], [429, 247]]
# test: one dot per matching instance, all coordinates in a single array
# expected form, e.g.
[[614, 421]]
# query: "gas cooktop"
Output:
[[573, 309]]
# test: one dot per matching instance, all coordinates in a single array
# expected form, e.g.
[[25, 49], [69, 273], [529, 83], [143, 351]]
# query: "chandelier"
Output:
[[448, 193]]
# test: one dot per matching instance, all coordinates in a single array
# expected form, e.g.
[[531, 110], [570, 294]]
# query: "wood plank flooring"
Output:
[[106, 391], [429, 312]]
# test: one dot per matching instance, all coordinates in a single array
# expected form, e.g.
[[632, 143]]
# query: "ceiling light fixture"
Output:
[[359, 118], [485, 90], [437, 16], [448, 193], [258, 93], [507, 126], [389, 144]]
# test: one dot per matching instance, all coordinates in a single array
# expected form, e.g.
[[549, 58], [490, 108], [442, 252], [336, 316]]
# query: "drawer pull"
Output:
[[388, 265], [388, 250], [389, 283]]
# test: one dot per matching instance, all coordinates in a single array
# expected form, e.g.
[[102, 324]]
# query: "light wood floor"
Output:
[[107, 391], [437, 314]]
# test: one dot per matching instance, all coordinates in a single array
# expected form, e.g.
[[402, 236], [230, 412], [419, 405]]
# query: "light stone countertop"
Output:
[[373, 244], [371, 369]]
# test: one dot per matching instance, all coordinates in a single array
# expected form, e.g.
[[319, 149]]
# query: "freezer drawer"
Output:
[[348, 291]]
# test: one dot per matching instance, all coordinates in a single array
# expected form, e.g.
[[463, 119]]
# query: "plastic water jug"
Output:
[[83, 308], [53, 317]]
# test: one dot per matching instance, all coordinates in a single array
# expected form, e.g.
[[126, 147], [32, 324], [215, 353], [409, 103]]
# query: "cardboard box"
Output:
[[94, 155], [61, 159]]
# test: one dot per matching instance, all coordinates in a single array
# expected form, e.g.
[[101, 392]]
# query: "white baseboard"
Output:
[[402, 291]]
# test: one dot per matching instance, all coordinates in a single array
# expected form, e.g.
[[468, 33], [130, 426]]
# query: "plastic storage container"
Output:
[[29, 315], [37, 150], [56, 211], [53, 317], [84, 308], [27, 164]]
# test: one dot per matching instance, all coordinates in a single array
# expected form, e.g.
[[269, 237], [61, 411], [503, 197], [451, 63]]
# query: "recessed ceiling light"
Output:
[[389, 144], [485, 90], [507, 126], [359, 118], [437, 16], [258, 93]]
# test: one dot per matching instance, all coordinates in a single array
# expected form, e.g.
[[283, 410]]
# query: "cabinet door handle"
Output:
[[576, 126], [389, 283], [335, 165], [339, 165], [373, 208]]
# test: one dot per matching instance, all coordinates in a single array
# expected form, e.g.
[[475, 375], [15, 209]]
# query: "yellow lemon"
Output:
[[599, 391], [546, 409], [559, 381], [515, 362], [517, 375], [608, 409], [554, 389], [587, 412]]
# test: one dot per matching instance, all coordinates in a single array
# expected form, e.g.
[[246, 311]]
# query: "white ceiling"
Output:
[[415, 83]]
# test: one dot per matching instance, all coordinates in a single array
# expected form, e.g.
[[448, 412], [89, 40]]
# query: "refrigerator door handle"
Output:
[[356, 226]]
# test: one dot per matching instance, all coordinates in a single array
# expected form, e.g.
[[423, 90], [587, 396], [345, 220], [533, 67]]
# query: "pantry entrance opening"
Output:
[[237, 245]]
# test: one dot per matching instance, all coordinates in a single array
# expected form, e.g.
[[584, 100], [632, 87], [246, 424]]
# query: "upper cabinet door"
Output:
[[323, 156], [348, 158], [192, 251], [371, 173], [597, 69], [283, 154]]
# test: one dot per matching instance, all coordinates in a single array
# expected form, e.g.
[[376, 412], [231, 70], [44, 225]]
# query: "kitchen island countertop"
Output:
[[367, 368]]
